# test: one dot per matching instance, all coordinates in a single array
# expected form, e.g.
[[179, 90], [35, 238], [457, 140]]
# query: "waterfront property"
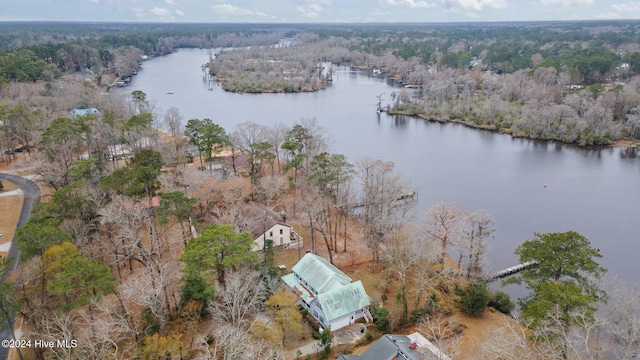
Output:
[[327, 293], [268, 225]]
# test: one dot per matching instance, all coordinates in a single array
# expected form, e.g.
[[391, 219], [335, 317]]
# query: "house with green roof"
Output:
[[327, 293]]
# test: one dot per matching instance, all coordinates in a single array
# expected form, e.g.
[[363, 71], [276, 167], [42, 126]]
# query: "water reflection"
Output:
[[400, 121], [629, 153]]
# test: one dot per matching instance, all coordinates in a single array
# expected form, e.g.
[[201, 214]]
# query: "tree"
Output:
[[475, 299], [85, 280], [60, 145], [400, 255], [384, 199], [207, 136], [34, 239], [138, 131], [241, 299], [562, 282], [331, 173], [220, 248], [9, 307], [139, 98], [443, 226], [176, 204], [477, 228], [251, 138], [294, 143], [282, 306], [173, 122], [140, 176]]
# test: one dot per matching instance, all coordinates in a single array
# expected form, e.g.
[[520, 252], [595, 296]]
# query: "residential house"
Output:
[[392, 347], [84, 112], [327, 293], [266, 224]]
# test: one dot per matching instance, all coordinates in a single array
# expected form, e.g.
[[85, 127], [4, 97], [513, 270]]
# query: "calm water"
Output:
[[594, 192]]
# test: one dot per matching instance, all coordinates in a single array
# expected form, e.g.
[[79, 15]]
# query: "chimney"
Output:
[[413, 344]]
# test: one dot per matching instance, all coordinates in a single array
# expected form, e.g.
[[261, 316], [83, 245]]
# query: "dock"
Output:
[[406, 196], [511, 270]]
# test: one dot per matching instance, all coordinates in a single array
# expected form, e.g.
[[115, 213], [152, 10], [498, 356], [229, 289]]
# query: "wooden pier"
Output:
[[511, 270], [406, 196]]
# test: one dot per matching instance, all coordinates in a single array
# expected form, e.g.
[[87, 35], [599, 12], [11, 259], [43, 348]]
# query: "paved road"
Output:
[[31, 197]]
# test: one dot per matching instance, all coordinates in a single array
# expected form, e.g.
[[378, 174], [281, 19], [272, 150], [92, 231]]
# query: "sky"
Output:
[[315, 11]]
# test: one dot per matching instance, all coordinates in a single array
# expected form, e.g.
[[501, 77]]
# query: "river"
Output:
[[592, 191]]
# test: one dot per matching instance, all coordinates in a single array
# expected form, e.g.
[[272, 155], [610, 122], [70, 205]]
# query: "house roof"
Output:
[[305, 294], [388, 347], [320, 274], [343, 300], [83, 112], [262, 218]]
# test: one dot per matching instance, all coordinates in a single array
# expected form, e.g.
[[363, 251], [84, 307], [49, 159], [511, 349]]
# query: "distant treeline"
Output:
[[590, 50], [569, 81]]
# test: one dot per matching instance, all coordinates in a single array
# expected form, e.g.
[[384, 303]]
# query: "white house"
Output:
[[327, 293], [268, 225]]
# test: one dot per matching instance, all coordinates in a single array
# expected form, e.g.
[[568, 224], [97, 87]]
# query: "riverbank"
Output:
[[625, 143]]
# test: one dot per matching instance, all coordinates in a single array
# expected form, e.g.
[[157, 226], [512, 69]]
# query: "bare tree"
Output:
[[384, 199], [443, 332], [229, 342], [510, 340], [401, 254], [477, 228], [443, 226], [271, 186], [621, 315], [240, 300], [173, 123], [276, 135]]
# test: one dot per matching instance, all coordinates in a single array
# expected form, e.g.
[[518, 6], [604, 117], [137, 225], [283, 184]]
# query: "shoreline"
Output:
[[621, 143]]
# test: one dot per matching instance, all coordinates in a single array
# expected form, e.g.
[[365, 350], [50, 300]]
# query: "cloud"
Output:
[[160, 11], [95, 1], [230, 10], [474, 5], [608, 16], [138, 12], [169, 2], [631, 7], [179, 12], [409, 3], [312, 11], [567, 2]]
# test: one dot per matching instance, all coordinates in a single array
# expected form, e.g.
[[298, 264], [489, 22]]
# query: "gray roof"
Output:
[[389, 347], [320, 274], [386, 348], [263, 219]]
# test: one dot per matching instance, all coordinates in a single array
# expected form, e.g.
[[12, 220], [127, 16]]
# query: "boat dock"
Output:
[[511, 270]]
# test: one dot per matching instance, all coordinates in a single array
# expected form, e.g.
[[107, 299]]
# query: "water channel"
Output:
[[592, 191]]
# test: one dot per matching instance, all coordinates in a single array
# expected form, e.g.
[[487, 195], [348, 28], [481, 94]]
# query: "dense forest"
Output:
[[141, 247]]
